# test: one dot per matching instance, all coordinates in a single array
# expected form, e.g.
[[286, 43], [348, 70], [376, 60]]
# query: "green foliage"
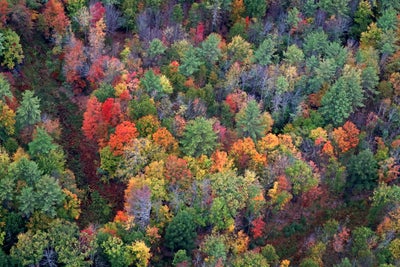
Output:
[[302, 177], [344, 263], [156, 48], [362, 238], [177, 13], [384, 198], [180, 257], [362, 18], [117, 253], [343, 97], [210, 51], [28, 113], [308, 262], [198, 138], [269, 253], [293, 55], [108, 163], [250, 122], [335, 7], [249, 259], [191, 62], [388, 20], [214, 246], [362, 171], [41, 144], [255, 8], [10, 49], [141, 107], [104, 92], [181, 232], [151, 83], [315, 43], [29, 248], [4, 88], [263, 55]]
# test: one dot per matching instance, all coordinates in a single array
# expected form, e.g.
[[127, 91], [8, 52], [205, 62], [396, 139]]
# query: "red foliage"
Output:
[[121, 217], [3, 12], [339, 240], [54, 16], [96, 71], [111, 111], [258, 226], [236, 100], [74, 59], [93, 126], [309, 197], [124, 133], [199, 37], [176, 169], [97, 11]]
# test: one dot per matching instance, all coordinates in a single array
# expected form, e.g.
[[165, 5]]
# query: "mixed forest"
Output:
[[200, 133]]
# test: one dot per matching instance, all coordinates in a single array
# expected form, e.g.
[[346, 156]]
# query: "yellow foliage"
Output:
[[285, 263], [141, 253], [318, 133], [268, 143], [240, 242]]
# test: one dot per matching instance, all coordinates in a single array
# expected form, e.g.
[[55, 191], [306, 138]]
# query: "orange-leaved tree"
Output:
[[124, 133]]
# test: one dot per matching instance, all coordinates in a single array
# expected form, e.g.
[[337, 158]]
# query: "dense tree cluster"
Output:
[[200, 133]]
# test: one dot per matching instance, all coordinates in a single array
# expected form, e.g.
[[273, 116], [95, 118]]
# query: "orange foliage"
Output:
[[268, 142], [55, 17], [388, 170], [176, 170], [124, 133], [221, 162], [236, 100], [165, 139], [327, 149], [245, 154], [121, 217], [93, 126], [346, 137]]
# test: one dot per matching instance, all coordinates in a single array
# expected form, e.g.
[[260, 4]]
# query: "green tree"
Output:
[[315, 43], [388, 20], [41, 144], [255, 8], [362, 171], [191, 62], [117, 252], [28, 113], [4, 88], [10, 49], [209, 50], [151, 83], [343, 97], [156, 48], [263, 55], [141, 107], [250, 122], [362, 18], [29, 248], [362, 238], [249, 259], [214, 246], [198, 138], [293, 55], [302, 177], [181, 232]]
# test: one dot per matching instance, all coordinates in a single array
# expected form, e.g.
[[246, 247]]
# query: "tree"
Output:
[[216, 249], [255, 8], [124, 133], [362, 171], [238, 50], [97, 34], [362, 18], [138, 202], [55, 17], [343, 97], [210, 50], [265, 51], [302, 177], [93, 126], [315, 43], [250, 122], [28, 113], [41, 144], [346, 137], [7, 121], [29, 248], [11, 52], [165, 139], [141, 253], [198, 138], [181, 232], [141, 107], [5, 92], [74, 62], [191, 62]]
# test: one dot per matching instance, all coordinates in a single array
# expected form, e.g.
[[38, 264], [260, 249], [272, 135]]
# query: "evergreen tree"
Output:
[[28, 113]]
